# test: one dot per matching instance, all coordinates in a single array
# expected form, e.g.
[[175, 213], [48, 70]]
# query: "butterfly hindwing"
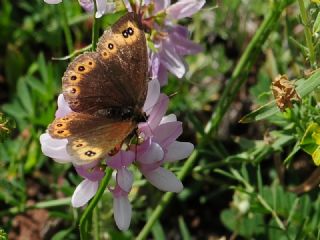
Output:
[[90, 138]]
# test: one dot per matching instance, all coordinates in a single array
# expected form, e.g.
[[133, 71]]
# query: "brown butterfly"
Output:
[[106, 90]]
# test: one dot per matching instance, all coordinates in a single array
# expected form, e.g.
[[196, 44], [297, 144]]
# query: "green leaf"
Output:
[[24, 96], [316, 25], [245, 226], [62, 234], [184, 229], [261, 113], [37, 85]]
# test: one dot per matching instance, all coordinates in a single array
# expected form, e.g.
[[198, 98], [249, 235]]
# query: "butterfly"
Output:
[[106, 90]]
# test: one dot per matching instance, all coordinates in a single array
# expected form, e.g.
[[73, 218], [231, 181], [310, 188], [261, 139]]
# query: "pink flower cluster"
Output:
[[159, 132]]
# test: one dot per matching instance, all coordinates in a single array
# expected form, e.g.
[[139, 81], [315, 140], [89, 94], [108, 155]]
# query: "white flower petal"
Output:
[[63, 107], [164, 180], [52, 1], [104, 7], [122, 212], [152, 95], [171, 60], [84, 192], [184, 8], [125, 179], [169, 118], [55, 148], [178, 150], [101, 8]]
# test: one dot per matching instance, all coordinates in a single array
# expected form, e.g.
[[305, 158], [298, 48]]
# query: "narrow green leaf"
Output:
[[157, 231], [24, 96], [184, 229], [261, 113], [316, 25], [62, 234]]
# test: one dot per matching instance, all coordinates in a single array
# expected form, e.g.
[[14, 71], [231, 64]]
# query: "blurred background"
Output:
[[239, 189]]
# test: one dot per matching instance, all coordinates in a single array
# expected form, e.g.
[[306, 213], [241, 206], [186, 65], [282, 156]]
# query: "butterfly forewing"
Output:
[[129, 49], [115, 75]]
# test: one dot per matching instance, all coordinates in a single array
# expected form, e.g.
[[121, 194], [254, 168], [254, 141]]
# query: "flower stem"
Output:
[[96, 229], [307, 33], [95, 28], [85, 221], [65, 26], [238, 77], [247, 60]]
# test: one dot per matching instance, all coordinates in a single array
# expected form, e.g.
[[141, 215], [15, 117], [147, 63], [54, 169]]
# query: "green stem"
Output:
[[247, 60], [65, 26], [88, 211], [95, 28], [237, 79], [96, 229], [307, 32]]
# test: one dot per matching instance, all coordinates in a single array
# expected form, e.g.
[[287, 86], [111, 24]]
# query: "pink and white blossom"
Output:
[[172, 42], [103, 6]]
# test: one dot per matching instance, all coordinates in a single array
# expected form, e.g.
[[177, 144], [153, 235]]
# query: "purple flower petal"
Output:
[[158, 111], [92, 173], [152, 95], [121, 159], [164, 180], [160, 5], [183, 46], [184, 8], [177, 151], [55, 148], [180, 30], [141, 148], [63, 107], [84, 192], [52, 1], [122, 212], [152, 155], [162, 75], [167, 133], [87, 5], [170, 59], [124, 179]]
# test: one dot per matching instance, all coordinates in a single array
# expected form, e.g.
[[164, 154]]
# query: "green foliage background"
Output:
[[250, 181]]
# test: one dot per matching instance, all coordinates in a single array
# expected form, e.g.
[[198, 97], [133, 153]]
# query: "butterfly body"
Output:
[[106, 91]]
